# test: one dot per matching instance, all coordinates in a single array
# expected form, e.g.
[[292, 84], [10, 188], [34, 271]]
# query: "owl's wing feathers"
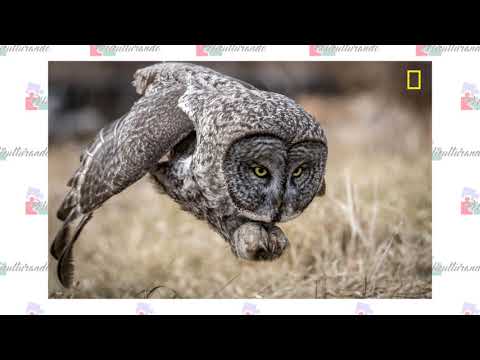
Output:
[[128, 148], [158, 77]]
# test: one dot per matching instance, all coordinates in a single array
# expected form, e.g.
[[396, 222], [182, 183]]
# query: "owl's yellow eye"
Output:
[[297, 172], [260, 171]]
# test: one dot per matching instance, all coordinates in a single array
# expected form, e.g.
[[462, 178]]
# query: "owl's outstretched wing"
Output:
[[124, 151]]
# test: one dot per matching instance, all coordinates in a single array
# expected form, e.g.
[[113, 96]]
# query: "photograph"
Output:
[[239, 180]]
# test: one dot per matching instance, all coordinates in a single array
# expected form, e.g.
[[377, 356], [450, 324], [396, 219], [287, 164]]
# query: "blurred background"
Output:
[[370, 236], [84, 97]]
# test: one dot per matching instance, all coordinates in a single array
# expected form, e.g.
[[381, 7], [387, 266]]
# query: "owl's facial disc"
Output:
[[270, 181]]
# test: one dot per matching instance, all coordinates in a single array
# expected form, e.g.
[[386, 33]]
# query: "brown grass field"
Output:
[[369, 237]]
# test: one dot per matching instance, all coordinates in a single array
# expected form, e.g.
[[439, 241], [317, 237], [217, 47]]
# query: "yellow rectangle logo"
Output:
[[409, 79]]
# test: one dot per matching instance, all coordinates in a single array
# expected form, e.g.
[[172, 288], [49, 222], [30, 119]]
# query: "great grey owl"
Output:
[[237, 157]]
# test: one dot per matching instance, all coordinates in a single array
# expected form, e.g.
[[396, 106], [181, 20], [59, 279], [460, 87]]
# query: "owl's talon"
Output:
[[255, 241]]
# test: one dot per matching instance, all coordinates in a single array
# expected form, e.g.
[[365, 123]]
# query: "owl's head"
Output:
[[269, 155], [271, 179]]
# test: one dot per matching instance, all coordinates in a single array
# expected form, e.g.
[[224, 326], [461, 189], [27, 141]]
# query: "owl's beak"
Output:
[[277, 202]]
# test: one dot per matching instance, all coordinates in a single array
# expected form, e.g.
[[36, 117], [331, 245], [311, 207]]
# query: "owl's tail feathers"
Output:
[[62, 246], [68, 212], [62, 249]]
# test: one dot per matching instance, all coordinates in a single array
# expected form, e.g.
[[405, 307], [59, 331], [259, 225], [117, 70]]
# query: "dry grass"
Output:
[[369, 237]]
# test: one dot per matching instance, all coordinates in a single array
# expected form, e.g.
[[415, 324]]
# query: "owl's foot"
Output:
[[257, 241]]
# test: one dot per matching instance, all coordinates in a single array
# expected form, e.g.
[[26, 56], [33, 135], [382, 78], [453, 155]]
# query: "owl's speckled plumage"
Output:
[[215, 129]]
